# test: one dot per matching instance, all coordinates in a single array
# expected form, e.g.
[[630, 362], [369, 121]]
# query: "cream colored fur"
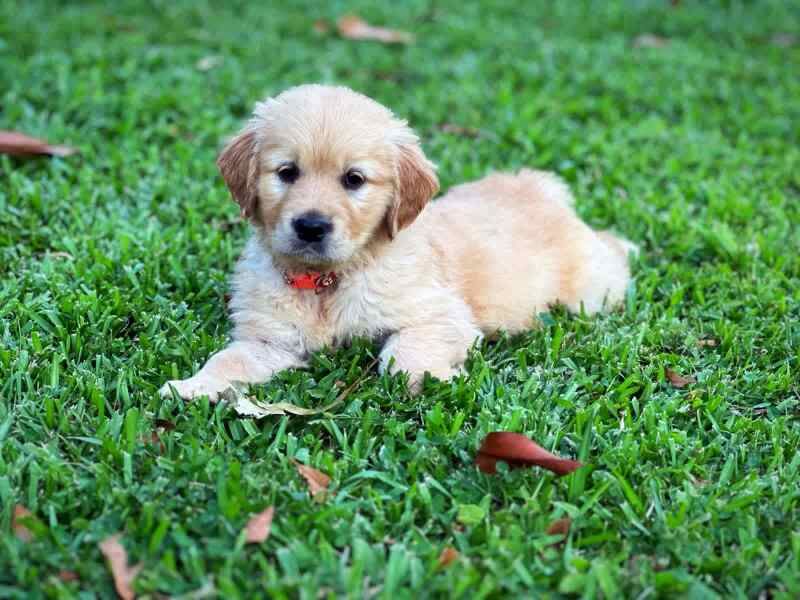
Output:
[[488, 256]]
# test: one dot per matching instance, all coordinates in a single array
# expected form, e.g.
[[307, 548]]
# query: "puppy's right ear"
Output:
[[239, 169]]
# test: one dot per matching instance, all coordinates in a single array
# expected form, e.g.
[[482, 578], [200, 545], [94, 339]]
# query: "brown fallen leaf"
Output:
[[67, 576], [448, 555], [354, 27], [19, 144], [259, 526], [454, 129], [559, 527], [650, 40], [117, 559], [20, 530], [519, 451], [321, 26], [318, 481], [677, 380]]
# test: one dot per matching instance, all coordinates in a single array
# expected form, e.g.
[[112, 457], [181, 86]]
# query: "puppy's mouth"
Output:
[[308, 253]]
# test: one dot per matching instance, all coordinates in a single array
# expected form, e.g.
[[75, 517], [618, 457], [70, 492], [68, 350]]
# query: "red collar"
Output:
[[311, 280]]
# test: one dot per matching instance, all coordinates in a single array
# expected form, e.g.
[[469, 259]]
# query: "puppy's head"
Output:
[[323, 172]]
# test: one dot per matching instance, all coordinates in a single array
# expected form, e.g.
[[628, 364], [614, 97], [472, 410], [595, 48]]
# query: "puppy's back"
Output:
[[513, 245]]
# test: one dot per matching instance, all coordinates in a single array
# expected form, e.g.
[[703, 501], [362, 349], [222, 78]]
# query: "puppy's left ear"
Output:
[[416, 185], [238, 165]]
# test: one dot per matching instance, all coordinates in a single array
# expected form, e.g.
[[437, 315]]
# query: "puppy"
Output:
[[345, 244]]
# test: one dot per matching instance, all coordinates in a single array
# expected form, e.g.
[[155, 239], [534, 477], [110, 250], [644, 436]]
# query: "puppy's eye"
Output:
[[352, 180], [288, 173]]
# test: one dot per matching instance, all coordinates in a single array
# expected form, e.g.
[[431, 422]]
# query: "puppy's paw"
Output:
[[196, 387]]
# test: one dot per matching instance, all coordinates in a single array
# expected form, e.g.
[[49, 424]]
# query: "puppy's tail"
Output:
[[547, 185]]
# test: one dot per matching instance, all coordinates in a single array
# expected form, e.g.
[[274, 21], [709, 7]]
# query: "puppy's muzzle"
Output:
[[312, 227]]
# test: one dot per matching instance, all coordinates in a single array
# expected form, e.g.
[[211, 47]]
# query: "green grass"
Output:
[[113, 271]]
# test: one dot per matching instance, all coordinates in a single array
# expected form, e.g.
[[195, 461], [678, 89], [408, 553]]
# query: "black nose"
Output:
[[312, 227]]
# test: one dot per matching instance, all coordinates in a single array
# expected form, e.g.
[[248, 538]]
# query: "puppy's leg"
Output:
[[439, 349], [241, 362]]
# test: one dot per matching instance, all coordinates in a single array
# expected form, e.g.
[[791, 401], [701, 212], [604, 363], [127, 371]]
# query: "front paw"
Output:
[[196, 387]]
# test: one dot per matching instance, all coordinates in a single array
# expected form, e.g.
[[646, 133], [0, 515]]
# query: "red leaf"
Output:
[[259, 526], [318, 481], [355, 28], [678, 380], [559, 527], [19, 144], [23, 533], [117, 559], [448, 555], [519, 451]]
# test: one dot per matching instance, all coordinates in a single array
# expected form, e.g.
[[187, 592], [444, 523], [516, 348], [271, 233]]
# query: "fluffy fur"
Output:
[[430, 279]]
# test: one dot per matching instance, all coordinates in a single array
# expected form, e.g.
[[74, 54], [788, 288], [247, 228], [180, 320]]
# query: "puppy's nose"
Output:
[[312, 227]]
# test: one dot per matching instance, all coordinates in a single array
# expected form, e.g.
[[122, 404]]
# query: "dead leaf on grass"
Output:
[[677, 380], [559, 527], [19, 144], [454, 129], [321, 26], [650, 40], [519, 451], [354, 27], [117, 559], [318, 481], [67, 576], [248, 406], [62, 255], [259, 526], [448, 555], [20, 530]]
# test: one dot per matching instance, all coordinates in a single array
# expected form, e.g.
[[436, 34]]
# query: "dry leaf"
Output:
[[650, 40], [559, 527], [247, 406], [519, 451], [117, 559], [23, 533], [19, 144], [259, 526], [64, 255], [321, 26], [707, 343], [454, 129], [208, 62], [448, 555], [355, 28], [678, 380], [318, 481], [67, 576]]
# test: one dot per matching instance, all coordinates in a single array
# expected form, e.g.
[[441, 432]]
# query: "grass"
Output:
[[113, 270]]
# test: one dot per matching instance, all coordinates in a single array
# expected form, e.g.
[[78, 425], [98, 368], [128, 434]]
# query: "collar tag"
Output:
[[311, 280]]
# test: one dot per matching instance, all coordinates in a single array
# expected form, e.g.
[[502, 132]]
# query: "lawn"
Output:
[[113, 274]]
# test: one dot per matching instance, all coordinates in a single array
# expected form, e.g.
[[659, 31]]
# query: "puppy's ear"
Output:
[[238, 165], [416, 185]]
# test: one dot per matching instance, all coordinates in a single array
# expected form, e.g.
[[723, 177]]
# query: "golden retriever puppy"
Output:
[[345, 244]]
